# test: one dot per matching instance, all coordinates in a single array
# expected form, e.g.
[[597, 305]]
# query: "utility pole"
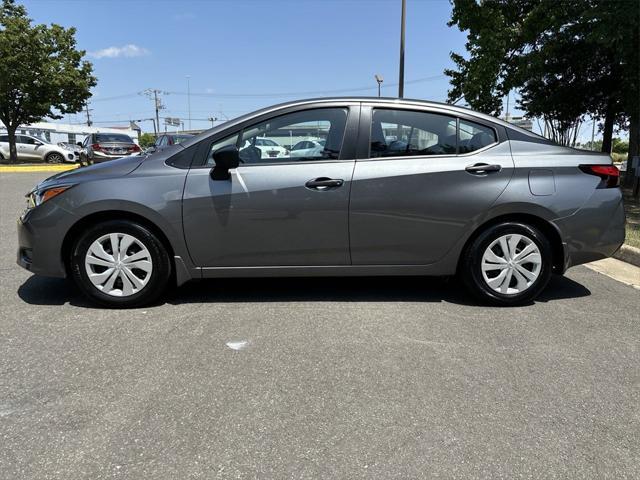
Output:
[[189, 99], [86, 107], [153, 93], [401, 74]]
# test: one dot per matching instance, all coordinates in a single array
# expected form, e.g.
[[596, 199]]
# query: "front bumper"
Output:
[[41, 234]]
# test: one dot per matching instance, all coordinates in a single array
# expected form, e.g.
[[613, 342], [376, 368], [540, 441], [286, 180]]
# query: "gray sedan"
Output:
[[400, 187]]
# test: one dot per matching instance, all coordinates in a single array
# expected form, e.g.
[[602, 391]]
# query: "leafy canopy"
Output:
[[41, 72]]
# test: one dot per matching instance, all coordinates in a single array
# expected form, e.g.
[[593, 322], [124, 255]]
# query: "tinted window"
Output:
[[474, 136], [323, 123], [112, 137], [25, 140], [400, 133], [4, 138]]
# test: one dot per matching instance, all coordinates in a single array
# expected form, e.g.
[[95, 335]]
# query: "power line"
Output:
[[271, 95]]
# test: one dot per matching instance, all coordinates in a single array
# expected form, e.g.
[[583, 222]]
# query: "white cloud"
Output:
[[127, 51]]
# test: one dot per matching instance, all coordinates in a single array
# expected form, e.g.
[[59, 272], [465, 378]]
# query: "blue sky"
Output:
[[250, 47]]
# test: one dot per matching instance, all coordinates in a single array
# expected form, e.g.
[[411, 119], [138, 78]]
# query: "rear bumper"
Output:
[[595, 231]]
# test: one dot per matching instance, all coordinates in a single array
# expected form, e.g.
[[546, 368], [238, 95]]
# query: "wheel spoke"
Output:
[[141, 264], [490, 256], [100, 278], [504, 287], [135, 280], [529, 275], [522, 284], [142, 254], [127, 286], [505, 248], [488, 267], [497, 281], [99, 261], [125, 243], [108, 287], [526, 251], [513, 240], [98, 250], [531, 258], [114, 245]]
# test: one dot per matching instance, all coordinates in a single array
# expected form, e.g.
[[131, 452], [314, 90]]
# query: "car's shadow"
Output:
[[48, 291]]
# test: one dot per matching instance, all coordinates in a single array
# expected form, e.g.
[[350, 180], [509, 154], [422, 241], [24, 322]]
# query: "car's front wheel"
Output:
[[120, 264], [507, 264], [55, 157]]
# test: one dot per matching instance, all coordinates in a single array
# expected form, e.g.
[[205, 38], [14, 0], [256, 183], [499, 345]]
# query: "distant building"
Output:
[[68, 133], [521, 122]]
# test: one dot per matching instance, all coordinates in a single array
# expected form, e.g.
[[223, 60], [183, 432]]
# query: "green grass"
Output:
[[632, 209]]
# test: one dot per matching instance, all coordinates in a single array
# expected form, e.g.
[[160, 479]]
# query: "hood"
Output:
[[113, 168]]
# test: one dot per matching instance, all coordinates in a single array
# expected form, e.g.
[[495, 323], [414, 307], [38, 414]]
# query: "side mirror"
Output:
[[79, 144], [226, 158]]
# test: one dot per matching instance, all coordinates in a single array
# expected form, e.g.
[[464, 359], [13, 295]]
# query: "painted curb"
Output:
[[628, 254], [36, 168]]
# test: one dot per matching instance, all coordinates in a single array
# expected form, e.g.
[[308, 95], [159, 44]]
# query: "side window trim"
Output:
[[366, 122], [347, 152]]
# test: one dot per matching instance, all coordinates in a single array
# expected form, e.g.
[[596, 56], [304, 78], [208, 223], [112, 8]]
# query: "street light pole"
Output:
[[189, 98], [379, 79], [401, 74]]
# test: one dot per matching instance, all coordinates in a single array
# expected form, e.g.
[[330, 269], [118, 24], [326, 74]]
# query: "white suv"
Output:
[[33, 149]]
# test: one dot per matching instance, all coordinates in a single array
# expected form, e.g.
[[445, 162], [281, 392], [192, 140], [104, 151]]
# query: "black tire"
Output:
[[159, 276], [471, 265], [54, 157]]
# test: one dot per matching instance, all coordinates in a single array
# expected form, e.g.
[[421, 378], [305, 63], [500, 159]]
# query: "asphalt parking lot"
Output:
[[315, 378]]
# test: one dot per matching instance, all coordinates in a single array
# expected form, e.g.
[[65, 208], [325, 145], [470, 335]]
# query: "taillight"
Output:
[[135, 148], [96, 146], [609, 174]]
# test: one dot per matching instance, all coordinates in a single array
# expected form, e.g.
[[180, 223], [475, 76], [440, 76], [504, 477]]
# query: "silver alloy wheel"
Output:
[[55, 158], [118, 264], [511, 264]]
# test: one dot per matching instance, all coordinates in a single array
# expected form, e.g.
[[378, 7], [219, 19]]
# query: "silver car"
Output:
[[34, 149], [400, 187]]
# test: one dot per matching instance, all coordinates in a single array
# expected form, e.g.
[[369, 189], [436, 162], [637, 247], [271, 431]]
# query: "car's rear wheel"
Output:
[[120, 264], [55, 157], [507, 264]]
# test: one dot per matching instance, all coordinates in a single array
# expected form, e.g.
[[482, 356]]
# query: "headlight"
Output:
[[38, 197]]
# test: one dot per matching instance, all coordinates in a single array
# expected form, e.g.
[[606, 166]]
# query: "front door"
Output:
[[26, 147], [278, 208], [422, 184]]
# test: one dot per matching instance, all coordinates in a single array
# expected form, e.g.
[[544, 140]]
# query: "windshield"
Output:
[[113, 137], [181, 138]]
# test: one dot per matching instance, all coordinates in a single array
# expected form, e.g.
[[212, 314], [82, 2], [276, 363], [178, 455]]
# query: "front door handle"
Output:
[[324, 183], [483, 168]]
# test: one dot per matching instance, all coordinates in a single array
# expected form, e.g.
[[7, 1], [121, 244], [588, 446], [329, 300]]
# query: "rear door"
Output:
[[420, 184], [283, 211], [26, 147]]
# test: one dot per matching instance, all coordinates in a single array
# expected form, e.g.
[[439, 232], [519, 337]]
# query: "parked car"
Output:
[[72, 147], [167, 139], [101, 147], [34, 149], [468, 195], [305, 148], [267, 148]]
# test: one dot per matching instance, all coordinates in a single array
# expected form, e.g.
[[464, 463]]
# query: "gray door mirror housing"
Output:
[[226, 158]]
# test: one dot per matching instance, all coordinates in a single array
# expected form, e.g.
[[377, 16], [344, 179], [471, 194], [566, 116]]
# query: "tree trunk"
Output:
[[13, 151], [634, 149], [607, 134]]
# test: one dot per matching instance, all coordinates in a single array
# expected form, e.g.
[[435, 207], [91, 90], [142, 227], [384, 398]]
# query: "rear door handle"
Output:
[[483, 168], [324, 183]]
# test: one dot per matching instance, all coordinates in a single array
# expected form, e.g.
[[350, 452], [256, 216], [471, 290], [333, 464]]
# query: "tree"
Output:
[[567, 59], [146, 140], [41, 72]]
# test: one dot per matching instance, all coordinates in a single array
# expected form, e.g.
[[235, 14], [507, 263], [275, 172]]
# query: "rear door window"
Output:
[[473, 136]]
